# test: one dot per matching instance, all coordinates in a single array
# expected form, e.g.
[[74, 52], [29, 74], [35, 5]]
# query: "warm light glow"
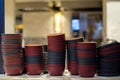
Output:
[[20, 26], [57, 18]]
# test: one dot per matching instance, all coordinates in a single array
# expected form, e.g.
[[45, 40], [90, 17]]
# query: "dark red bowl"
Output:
[[86, 45], [34, 69], [33, 49], [15, 36], [73, 67], [87, 70], [56, 69], [85, 54], [13, 71]]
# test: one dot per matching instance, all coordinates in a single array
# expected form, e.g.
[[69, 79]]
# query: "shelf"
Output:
[[48, 77]]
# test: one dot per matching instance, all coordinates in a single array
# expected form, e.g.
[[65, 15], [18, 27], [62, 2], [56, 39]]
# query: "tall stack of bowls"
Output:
[[12, 54], [56, 54]]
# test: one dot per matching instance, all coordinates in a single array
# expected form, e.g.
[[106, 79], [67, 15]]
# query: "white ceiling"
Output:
[[24, 1], [67, 4], [70, 4]]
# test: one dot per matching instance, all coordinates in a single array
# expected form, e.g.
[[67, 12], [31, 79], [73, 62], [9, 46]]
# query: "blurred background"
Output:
[[35, 19]]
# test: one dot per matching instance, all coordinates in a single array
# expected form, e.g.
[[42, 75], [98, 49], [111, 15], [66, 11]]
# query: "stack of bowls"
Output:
[[33, 59], [72, 64], [109, 57], [86, 53], [12, 54], [56, 54], [23, 49], [45, 56]]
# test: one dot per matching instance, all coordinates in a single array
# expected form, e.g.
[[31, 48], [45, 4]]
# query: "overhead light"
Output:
[[55, 5], [57, 22]]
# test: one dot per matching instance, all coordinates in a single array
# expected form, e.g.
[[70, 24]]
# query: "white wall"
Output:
[[37, 24], [66, 24], [9, 16], [40, 24], [113, 20]]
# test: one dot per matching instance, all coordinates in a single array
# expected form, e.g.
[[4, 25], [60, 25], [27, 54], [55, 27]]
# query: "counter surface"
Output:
[[48, 77]]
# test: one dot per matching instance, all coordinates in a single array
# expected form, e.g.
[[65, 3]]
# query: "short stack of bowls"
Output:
[[45, 56], [86, 53], [12, 54], [56, 54], [72, 64], [33, 59], [109, 60]]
